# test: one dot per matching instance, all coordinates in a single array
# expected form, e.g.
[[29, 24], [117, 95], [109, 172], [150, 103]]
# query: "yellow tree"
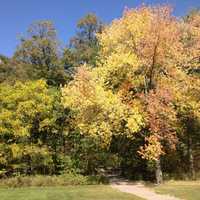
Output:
[[141, 54], [97, 112], [141, 46], [140, 75], [26, 111]]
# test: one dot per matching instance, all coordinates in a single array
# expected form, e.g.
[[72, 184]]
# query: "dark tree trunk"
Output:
[[191, 159], [158, 172]]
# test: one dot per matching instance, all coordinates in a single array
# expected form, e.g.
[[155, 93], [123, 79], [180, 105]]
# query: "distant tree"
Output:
[[40, 48], [69, 62], [3, 59], [191, 14], [84, 45], [11, 70], [191, 41]]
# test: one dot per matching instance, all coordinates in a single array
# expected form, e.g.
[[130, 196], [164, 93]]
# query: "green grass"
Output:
[[65, 193], [188, 190]]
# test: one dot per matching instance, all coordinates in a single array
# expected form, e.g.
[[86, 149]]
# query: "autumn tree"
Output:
[[29, 128], [188, 112], [130, 96], [141, 55], [98, 113], [162, 125], [187, 93]]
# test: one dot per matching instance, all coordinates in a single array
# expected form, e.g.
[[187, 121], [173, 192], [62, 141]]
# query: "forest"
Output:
[[123, 96]]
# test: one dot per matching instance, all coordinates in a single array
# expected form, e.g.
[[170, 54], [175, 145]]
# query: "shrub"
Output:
[[62, 180]]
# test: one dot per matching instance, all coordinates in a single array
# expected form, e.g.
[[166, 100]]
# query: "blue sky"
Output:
[[17, 15]]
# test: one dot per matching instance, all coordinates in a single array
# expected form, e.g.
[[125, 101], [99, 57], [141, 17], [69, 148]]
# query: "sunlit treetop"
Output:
[[145, 40]]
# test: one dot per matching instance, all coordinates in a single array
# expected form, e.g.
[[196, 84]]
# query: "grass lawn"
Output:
[[188, 190], [65, 193]]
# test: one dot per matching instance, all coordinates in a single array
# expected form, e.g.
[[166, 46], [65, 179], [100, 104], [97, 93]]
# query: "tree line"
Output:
[[120, 95]]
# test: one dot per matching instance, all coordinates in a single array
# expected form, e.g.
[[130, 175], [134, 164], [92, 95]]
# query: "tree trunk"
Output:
[[191, 159], [158, 172]]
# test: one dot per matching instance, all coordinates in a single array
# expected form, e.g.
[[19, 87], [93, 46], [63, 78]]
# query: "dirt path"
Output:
[[139, 190]]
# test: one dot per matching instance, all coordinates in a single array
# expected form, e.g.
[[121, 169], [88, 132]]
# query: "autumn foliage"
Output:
[[129, 96]]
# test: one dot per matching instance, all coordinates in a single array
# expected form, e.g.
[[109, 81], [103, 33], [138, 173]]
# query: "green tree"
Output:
[[191, 40], [3, 59], [84, 45], [40, 49], [28, 120], [11, 71]]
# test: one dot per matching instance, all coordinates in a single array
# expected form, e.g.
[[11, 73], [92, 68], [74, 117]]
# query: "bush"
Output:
[[62, 180]]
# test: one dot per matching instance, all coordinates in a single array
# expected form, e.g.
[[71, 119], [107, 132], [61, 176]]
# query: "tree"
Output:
[[27, 120], [191, 41], [188, 107], [40, 49], [11, 71], [3, 59], [69, 62], [98, 113], [162, 125], [140, 58], [84, 45], [188, 96]]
